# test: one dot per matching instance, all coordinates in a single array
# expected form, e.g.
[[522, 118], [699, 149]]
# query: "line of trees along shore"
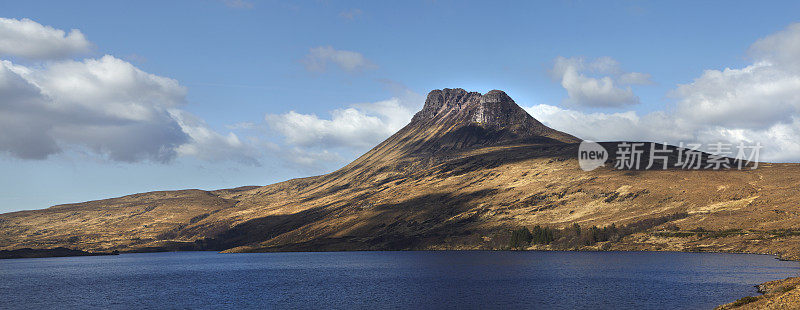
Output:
[[574, 235]]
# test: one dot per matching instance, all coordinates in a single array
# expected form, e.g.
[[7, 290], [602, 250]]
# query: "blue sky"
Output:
[[242, 67]]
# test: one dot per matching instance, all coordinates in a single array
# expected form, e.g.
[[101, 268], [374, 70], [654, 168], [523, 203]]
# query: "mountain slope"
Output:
[[462, 174]]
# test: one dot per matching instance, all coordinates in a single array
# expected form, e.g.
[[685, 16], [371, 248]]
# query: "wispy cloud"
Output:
[[318, 59], [238, 4], [351, 14]]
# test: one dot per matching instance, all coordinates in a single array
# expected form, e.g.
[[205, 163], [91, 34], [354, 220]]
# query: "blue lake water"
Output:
[[346, 280]]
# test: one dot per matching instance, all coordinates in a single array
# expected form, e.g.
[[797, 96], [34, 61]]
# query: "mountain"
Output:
[[469, 171]]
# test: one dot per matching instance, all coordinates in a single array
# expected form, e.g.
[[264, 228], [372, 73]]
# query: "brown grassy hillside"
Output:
[[466, 171]]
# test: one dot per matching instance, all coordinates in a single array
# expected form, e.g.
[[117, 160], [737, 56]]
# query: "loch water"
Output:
[[399, 280]]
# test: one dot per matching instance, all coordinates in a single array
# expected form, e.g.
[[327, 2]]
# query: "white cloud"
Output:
[[29, 39], [759, 103], [602, 92], [781, 48], [755, 96], [111, 85], [110, 108], [91, 104], [779, 139], [311, 142], [602, 126], [358, 126], [347, 127], [601, 65], [106, 106], [318, 58], [610, 90], [207, 144]]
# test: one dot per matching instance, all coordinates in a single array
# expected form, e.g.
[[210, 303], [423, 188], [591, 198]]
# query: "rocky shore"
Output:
[[778, 294]]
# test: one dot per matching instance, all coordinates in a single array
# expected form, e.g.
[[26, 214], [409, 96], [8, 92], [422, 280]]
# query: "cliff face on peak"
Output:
[[440, 102], [465, 171], [448, 110], [495, 109], [454, 120]]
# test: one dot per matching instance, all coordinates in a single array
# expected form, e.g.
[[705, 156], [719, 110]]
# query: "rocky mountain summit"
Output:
[[493, 111], [469, 171], [455, 118]]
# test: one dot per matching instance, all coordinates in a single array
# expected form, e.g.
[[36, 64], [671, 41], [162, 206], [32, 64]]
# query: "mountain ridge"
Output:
[[467, 170]]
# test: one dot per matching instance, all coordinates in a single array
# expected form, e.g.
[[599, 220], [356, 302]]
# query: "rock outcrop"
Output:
[[452, 109]]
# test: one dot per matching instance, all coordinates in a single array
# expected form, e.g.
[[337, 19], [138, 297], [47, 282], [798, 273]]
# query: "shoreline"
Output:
[[48, 253], [778, 294]]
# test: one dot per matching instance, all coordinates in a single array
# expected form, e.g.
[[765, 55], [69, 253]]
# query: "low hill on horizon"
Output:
[[469, 171]]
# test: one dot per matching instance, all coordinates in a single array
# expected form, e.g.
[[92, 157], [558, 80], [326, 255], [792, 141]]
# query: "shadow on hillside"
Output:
[[674, 157], [471, 137], [400, 226], [504, 156]]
